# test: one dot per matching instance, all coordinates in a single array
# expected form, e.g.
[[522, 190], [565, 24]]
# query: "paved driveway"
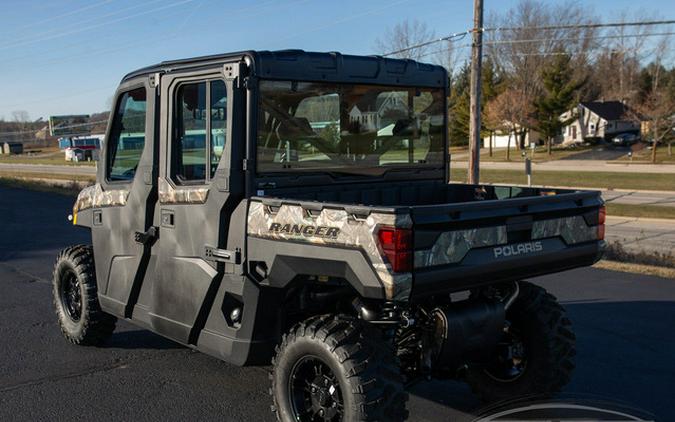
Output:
[[623, 322]]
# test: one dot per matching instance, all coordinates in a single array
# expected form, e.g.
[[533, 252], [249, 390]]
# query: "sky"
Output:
[[67, 56]]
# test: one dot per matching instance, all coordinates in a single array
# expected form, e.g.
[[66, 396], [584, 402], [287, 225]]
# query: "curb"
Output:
[[520, 185]]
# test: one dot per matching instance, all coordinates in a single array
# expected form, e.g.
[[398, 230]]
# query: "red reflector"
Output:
[[601, 232], [602, 215], [397, 247]]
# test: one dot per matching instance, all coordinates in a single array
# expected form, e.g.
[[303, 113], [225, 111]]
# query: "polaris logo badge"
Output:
[[519, 249], [324, 232]]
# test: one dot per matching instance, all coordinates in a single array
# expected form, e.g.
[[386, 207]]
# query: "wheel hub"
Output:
[[512, 357], [71, 297], [315, 392]]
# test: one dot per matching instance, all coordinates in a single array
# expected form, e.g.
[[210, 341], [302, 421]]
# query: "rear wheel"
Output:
[[335, 368], [75, 298], [536, 354]]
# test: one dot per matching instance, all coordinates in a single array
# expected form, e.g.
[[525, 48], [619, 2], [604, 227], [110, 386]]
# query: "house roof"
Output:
[[608, 110]]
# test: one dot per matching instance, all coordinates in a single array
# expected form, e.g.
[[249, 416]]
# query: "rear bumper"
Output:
[[480, 268]]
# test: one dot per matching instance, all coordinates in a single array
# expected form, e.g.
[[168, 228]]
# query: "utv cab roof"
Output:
[[313, 66]]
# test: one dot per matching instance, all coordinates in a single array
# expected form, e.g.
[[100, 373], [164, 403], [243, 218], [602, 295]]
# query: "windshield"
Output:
[[360, 129]]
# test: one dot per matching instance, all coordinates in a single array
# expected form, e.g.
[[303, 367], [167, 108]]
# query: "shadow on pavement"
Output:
[[600, 152], [140, 339]]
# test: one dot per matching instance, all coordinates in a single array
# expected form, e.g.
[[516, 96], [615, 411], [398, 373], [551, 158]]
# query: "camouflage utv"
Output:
[[294, 208]]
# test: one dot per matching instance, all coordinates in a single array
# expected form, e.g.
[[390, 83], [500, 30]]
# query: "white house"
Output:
[[501, 139], [597, 120], [369, 120]]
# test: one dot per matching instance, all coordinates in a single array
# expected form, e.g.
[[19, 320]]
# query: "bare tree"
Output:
[[657, 107], [20, 116], [511, 112], [402, 36], [22, 125], [524, 47]]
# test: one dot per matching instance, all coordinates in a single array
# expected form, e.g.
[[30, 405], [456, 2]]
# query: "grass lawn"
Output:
[[645, 156], [69, 189], [600, 180], [540, 154], [45, 156], [641, 211]]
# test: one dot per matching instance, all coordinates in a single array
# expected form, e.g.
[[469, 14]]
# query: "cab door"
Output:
[[200, 185], [126, 196]]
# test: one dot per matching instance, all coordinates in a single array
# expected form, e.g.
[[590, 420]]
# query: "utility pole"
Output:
[[474, 120]]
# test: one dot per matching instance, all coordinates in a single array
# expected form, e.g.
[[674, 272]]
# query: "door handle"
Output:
[[147, 237]]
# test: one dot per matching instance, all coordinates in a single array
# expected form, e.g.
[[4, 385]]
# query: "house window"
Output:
[[592, 126]]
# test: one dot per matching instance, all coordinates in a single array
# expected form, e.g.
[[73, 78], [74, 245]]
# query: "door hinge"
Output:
[[154, 80], [234, 72], [244, 164], [221, 255]]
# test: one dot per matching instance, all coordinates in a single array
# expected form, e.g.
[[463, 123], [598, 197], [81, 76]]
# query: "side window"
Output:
[[127, 136], [201, 108]]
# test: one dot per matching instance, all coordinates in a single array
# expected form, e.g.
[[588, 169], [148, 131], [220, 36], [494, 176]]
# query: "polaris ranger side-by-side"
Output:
[[294, 208]]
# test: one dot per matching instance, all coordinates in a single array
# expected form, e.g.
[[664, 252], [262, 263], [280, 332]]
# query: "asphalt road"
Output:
[[623, 322], [572, 165], [655, 235], [622, 196], [54, 169]]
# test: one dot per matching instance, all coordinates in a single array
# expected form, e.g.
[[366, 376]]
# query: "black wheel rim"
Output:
[[511, 361], [71, 295], [315, 391]]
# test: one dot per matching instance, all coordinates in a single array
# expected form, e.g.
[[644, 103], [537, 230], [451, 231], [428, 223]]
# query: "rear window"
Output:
[[312, 126]]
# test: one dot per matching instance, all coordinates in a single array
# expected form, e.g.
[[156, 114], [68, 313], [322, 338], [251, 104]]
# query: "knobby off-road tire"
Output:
[[539, 323], [364, 380], [75, 298]]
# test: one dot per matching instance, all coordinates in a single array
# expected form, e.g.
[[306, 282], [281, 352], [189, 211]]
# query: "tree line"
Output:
[[533, 73]]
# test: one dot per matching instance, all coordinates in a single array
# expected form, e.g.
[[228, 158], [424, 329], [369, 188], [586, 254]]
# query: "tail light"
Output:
[[602, 216], [397, 246]]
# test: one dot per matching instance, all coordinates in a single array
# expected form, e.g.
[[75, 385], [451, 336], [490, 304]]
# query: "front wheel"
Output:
[[535, 355], [75, 298], [336, 368]]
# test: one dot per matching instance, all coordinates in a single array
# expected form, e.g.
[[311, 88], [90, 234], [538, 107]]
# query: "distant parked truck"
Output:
[[11, 148]]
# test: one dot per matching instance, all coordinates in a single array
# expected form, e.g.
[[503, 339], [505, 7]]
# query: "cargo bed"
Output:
[[463, 236]]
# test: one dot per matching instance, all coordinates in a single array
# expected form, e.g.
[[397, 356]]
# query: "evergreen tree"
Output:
[[560, 94], [458, 118], [460, 100]]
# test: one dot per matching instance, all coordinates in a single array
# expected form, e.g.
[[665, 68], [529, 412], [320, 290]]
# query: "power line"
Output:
[[604, 37], [174, 33], [505, 42], [60, 127], [581, 26], [86, 28], [452, 37], [58, 31], [63, 15], [249, 11]]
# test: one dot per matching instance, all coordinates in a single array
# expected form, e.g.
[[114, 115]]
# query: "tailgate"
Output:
[[465, 245]]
